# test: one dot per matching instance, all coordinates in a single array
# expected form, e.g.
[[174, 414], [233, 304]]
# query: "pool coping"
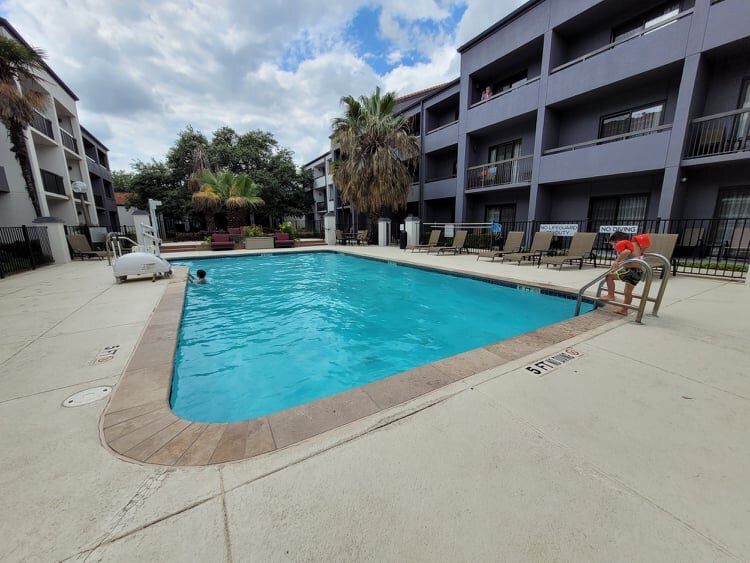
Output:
[[138, 423]]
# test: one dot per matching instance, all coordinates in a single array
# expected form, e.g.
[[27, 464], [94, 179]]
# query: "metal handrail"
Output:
[[663, 285], [641, 307]]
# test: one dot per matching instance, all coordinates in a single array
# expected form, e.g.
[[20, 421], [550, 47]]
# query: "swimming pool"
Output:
[[271, 332]]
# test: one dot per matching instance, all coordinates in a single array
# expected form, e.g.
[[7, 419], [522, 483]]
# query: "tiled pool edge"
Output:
[[138, 424]]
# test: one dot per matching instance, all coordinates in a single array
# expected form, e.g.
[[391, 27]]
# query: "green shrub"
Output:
[[719, 266], [289, 229], [253, 231]]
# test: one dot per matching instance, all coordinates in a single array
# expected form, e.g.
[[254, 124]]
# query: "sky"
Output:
[[145, 70]]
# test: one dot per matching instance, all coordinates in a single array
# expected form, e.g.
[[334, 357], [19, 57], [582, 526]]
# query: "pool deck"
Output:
[[637, 450]]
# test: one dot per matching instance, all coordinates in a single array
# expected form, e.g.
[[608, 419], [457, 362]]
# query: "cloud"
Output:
[[144, 70]]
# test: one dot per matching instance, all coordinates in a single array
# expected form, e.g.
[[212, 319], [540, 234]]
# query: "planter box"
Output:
[[257, 243]]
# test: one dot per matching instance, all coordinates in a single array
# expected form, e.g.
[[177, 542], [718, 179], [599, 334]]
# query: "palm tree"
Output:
[[20, 63], [237, 192], [200, 163], [376, 149]]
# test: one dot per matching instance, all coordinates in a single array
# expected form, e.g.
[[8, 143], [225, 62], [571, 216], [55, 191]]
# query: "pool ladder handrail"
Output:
[[643, 297]]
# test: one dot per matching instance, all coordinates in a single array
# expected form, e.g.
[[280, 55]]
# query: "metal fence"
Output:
[[712, 247], [23, 248]]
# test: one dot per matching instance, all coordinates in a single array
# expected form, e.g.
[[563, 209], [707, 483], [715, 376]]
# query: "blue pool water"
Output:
[[271, 332]]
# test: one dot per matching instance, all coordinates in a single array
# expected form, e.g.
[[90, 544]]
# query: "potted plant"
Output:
[[256, 239]]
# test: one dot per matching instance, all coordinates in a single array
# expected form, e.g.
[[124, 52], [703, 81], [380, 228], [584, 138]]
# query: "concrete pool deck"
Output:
[[637, 450]]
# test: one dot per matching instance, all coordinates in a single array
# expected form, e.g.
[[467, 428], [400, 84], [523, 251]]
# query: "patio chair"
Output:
[[282, 240], [539, 245], [80, 248], [662, 243], [739, 246], [431, 243], [457, 246], [363, 237], [221, 241], [235, 233], [513, 243], [580, 248]]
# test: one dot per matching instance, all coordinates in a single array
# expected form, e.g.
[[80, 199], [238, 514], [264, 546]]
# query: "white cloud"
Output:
[[144, 70]]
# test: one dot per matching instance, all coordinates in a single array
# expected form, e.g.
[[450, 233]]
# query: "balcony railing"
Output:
[[611, 139], [511, 171], [53, 183], [722, 133], [42, 124], [321, 206], [609, 46], [69, 141]]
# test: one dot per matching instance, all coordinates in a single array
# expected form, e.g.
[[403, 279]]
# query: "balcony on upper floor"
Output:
[[639, 52], [631, 152], [441, 137], [727, 22], [511, 172], [521, 99], [724, 136], [321, 206], [319, 182], [42, 124], [69, 142], [439, 188]]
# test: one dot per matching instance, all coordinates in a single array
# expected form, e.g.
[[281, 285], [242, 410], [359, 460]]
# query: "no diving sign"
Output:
[[542, 367]]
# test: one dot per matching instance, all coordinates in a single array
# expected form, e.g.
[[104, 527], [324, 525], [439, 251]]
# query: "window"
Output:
[[632, 120], [646, 21], [731, 214], [503, 214], [330, 192], [616, 210], [504, 151]]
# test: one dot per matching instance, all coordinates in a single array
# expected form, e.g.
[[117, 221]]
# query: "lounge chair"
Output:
[[431, 243], [80, 248], [457, 246], [661, 244], [539, 245], [513, 243], [221, 241], [282, 240], [739, 246], [580, 248]]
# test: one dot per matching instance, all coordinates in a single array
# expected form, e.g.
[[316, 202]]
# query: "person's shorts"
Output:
[[630, 275]]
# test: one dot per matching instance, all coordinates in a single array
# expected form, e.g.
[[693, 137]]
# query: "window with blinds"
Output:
[[632, 120]]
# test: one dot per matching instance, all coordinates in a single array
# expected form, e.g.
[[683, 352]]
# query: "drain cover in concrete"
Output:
[[87, 396]]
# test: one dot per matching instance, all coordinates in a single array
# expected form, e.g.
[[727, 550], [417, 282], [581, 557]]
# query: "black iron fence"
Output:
[[23, 248], [712, 247]]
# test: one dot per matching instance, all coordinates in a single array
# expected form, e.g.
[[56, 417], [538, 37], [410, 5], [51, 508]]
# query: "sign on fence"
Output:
[[448, 233], [627, 229], [560, 230]]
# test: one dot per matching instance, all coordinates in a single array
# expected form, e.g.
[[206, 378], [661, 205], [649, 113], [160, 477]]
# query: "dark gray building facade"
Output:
[[602, 112], [101, 180]]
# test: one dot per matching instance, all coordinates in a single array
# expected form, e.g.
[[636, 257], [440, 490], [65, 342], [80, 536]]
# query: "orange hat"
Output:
[[642, 240]]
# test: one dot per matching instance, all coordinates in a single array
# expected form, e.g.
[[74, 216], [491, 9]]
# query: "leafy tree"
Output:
[[153, 180], [122, 181], [376, 149], [179, 159], [19, 66], [237, 192]]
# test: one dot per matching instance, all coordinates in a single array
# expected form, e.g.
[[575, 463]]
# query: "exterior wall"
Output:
[[480, 146], [727, 22], [477, 204], [702, 188], [15, 205], [724, 81]]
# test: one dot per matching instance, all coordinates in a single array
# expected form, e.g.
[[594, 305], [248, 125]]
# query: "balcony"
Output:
[[69, 141], [720, 134], [42, 124], [442, 137], [440, 188], [727, 22], [629, 153], [508, 104], [321, 206], [501, 173], [319, 182], [647, 50], [53, 183]]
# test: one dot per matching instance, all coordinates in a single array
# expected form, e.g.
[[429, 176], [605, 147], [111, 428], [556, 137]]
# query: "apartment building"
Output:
[[612, 111], [100, 178], [597, 111], [57, 151]]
